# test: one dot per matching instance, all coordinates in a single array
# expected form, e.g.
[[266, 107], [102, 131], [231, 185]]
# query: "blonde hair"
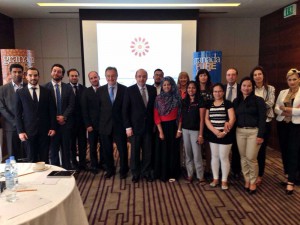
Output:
[[183, 74], [292, 71]]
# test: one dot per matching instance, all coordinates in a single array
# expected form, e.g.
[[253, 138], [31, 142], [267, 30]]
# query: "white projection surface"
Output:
[[129, 46]]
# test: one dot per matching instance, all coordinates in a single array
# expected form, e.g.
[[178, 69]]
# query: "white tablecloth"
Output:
[[62, 204]]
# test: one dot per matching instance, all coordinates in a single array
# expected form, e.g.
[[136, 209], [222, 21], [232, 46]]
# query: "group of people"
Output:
[[167, 124]]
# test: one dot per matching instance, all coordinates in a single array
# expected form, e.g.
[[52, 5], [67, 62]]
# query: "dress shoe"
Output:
[[94, 170], [135, 179], [108, 175], [252, 192], [148, 178], [123, 175]]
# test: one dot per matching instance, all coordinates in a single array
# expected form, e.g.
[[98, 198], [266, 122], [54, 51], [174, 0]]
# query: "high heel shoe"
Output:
[[289, 192]]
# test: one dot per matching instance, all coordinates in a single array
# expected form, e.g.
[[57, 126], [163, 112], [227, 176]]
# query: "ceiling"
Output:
[[248, 8]]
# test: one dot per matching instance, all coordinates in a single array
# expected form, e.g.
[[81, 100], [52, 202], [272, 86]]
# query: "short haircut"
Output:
[[73, 69], [111, 68], [33, 68], [235, 69], [15, 65], [159, 70], [60, 66]]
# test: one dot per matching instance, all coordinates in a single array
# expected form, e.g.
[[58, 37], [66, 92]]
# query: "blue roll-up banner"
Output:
[[210, 60]]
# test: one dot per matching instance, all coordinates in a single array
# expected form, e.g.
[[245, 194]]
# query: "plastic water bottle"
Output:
[[14, 169], [10, 191]]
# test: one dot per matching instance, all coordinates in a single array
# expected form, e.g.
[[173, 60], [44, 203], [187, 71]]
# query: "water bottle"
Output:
[[10, 191], [14, 170]]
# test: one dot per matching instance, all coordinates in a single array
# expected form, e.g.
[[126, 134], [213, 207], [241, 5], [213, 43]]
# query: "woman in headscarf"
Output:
[[166, 117]]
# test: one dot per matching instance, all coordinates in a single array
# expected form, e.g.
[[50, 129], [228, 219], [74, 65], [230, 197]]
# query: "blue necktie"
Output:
[[58, 99], [111, 94]]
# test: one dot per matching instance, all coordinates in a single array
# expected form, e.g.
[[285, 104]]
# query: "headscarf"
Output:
[[167, 101]]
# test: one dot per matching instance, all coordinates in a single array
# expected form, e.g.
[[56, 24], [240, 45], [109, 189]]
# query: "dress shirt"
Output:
[[16, 87], [158, 88], [115, 90], [37, 90], [146, 91], [59, 86], [95, 88], [234, 91]]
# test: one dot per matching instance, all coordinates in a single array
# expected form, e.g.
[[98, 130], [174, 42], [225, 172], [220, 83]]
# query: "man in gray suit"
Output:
[[7, 110]]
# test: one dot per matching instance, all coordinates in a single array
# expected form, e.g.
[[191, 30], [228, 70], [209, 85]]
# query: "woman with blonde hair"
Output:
[[288, 127], [182, 82]]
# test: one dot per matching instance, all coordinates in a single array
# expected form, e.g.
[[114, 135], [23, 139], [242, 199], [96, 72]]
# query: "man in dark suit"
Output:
[[78, 135], [64, 97], [157, 77], [7, 110], [35, 117], [111, 127], [231, 91], [90, 113], [138, 120]]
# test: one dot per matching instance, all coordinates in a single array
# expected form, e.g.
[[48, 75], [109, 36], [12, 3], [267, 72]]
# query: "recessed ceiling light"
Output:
[[175, 5]]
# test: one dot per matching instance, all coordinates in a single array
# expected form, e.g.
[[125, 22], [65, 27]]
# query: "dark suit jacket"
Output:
[[7, 106], [237, 91], [90, 108], [30, 118], [135, 114], [68, 102], [111, 114], [77, 107]]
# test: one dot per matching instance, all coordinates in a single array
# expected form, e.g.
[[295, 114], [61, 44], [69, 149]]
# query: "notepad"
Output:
[[62, 174]]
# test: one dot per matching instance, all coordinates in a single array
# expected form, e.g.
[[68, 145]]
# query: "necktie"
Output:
[[58, 99], [34, 95], [144, 96], [111, 94], [229, 97], [75, 89]]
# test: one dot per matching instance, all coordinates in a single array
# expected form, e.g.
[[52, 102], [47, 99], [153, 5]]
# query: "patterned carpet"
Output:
[[116, 201]]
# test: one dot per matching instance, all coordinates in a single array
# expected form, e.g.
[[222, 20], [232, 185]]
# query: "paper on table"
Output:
[[21, 206], [44, 180]]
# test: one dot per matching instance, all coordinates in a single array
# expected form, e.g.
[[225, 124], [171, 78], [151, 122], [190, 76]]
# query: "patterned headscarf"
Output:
[[165, 102]]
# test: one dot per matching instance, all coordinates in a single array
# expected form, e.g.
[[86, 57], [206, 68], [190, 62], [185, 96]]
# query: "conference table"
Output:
[[42, 200]]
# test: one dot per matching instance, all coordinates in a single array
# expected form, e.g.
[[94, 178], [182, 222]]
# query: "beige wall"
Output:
[[237, 38], [58, 41], [53, 40]]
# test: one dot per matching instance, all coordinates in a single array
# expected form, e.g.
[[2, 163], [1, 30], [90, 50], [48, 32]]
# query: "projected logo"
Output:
[[139, 46]]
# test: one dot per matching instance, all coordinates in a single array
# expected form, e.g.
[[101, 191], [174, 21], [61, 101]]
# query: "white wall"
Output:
[[58, 41], [53, 41], [237, 38]]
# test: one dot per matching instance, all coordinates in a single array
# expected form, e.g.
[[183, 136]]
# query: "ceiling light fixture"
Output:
[[175, 5]]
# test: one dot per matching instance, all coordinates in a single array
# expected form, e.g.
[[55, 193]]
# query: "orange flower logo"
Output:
[[139, 46]]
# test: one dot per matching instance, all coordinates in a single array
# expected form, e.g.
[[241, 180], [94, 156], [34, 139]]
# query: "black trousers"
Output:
[[288, 134], [78, 137], [141, 143], [235, 157], [37, 147], [121, 142], [94, 139], [13, 144], [61, 141]]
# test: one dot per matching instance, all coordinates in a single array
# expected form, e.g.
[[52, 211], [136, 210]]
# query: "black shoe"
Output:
[[94, 170], [108, 175], [135, 179], [252, 192], [290, 192], [149, 178], [82, 167], [283, 183], [123, 175]]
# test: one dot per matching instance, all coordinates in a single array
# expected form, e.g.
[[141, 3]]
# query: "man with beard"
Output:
[[78, 135], [7, 110], [158, 76], [90, 114], [35, 117], [64, 97]]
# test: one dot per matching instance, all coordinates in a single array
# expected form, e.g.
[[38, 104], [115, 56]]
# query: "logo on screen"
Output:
[[139, 46]]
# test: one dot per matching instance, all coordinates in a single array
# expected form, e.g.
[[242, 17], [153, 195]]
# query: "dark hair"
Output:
[[159, 71], [60, 66], [111, 68], [208, 83], [15, 65], [240, 94], [219, 85], [233, 68], [186, 100], [33, 68], [265, 80], [73, 69]]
